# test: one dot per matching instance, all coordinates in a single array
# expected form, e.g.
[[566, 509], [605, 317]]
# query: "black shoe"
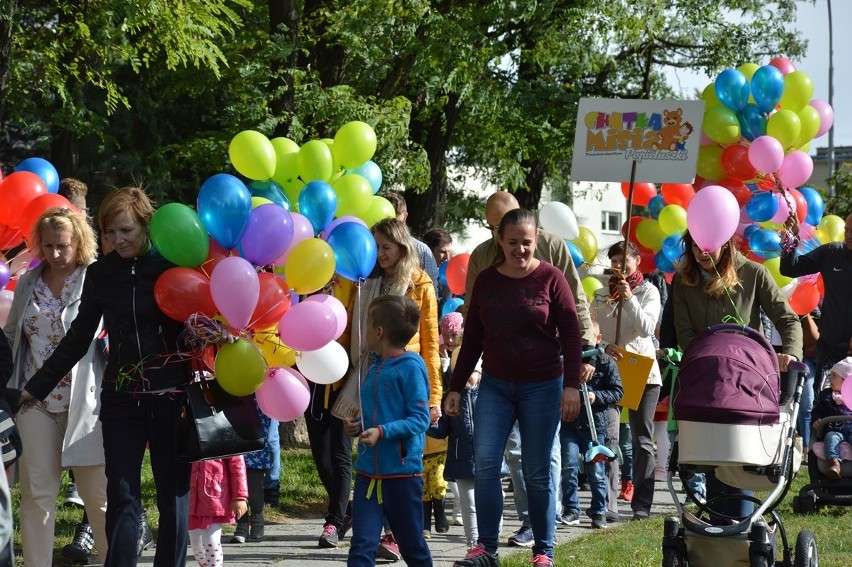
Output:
[[612, 517], [146, 538], [256, 530], [347, 525], [80, 549], [478, 557], [442, 524], [242, 531]]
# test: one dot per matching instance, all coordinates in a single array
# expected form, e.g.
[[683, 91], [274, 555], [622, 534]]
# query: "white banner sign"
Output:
[[662, 136]]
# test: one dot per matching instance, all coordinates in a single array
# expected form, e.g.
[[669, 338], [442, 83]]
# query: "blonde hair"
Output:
[[131, 200], [63, 219], [690, 270], [397, 232]]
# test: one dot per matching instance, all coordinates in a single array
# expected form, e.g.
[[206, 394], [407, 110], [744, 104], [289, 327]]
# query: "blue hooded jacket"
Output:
[[395, 398]]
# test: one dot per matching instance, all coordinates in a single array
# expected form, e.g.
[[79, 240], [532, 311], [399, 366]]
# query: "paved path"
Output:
[[294, 543]]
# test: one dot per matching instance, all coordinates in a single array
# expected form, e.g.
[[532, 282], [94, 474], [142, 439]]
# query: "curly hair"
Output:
[[725, 278], [64, 219]]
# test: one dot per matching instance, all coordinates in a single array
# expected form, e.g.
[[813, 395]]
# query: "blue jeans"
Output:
[[401, 501], [273, 475], [729, 508], [574, 445], [832, 441], [536, 407], [514, 463], [626, 445], [806, 403]]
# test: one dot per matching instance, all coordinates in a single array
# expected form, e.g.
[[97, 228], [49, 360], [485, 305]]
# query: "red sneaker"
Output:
[[388, 548], [540, 560]]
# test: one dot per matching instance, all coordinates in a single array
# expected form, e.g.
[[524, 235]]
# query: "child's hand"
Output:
[[451, 404], [239, 508], [591, 397], [816, 424], [352, 426], [434, 414], [371, 436]]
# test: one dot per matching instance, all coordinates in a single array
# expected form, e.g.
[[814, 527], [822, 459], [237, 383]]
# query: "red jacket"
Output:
[[214, 484]]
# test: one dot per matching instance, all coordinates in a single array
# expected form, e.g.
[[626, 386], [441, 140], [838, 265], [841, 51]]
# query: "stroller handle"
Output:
[[592, 352], [799, 367]]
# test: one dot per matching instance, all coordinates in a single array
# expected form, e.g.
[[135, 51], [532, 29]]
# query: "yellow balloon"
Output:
[[774, 267], [258, 201], [587, 243], [314, 159], [380, 208], [310, 266], [831, 228], [354, 195], [709, 96], [810, 121], [590, 285], [721, 125], [672, 220], [274, 351], [240, 367], [709, 163], [785, 126], [252, 155], [354, 144], [649, 234]]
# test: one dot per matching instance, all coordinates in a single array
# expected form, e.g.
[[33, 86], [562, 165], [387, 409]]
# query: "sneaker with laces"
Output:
[[330, 537], [80, 548], [388, 548], [72, 497], [146, 536], [626, 493], [571, 519], [478, 557], [599, 521], [540, 560], [522, 538]]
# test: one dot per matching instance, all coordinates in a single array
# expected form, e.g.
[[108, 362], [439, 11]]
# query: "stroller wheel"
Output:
[[672, 558], [806, 550], [805, 504]]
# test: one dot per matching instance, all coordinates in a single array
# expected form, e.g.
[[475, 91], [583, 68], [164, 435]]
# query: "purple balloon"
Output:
[[302, 230], [336, 222], [268, 235], [5, 275]]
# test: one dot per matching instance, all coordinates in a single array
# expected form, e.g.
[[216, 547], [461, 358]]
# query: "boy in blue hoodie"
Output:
[[391, 433]]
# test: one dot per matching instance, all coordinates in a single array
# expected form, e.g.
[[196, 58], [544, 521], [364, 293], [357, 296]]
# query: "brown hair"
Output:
[[618, 249], [75, 191], [437, 237], [398, 202], [725, 277], [60, 219], [132, 200], [513, 217], [398, 315]]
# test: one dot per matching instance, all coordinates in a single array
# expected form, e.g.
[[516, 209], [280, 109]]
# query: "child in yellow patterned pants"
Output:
[[434, 487]]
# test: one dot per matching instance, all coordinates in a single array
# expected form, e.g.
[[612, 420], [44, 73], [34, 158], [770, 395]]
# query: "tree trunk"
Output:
[[537, 171], [294, 434], [283, 25]]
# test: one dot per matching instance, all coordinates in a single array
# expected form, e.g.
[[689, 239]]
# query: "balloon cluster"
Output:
[[752, 164], [251, 249]]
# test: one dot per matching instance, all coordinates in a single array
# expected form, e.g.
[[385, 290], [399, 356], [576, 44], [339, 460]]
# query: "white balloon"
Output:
[[558, 218], [788, 289], [326, 365]]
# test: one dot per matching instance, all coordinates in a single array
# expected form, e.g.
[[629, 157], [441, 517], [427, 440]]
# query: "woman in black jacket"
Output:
[[141, 390]]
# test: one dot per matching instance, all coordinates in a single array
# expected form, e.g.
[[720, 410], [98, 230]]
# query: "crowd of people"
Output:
[[447, 404]]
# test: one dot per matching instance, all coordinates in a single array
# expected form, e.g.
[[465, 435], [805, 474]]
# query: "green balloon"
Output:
[[179, 235], [240, 368]]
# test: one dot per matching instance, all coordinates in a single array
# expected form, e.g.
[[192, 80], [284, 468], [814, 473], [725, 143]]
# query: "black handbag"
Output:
[[214, 424]]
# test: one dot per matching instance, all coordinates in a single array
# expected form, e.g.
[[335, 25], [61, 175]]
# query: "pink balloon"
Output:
[[302, 230], [333, 224], [284, 394], [235, 289], [766, 154], [712, 217], [806, 231], [796, 169], [336, 307], [783, 64], [846, 392], [826, 116], [309, 325]]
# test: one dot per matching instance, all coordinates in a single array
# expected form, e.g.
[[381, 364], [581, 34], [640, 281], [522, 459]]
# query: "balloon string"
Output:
[[736, 318], [358, 298]]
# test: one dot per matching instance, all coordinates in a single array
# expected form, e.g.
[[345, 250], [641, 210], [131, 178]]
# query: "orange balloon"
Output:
[[642, 192], [457, 273], [679, 193], [805, 298]]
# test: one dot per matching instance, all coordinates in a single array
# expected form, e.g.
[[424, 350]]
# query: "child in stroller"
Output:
[[830, 403]]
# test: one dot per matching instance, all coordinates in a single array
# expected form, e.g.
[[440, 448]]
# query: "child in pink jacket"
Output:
[[217, 495]]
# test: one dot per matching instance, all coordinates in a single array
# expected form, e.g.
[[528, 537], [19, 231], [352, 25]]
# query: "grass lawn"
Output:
[[635, 544]]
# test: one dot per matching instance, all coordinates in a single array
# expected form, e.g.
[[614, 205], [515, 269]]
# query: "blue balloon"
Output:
[[765, 243], [576, 254], [318, 202], [767, 86], [354, 249], [43, 169], [442, 272], [816, 205], [371, 172], [749, 230], [451, 305], [732, 89], [809, 245], [269, 190], [673, 248], [752, 122], [655, 205], [664, 263], [224, 205], [762, 206]]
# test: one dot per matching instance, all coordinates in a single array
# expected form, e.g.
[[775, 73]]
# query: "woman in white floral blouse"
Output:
[[62, 431]]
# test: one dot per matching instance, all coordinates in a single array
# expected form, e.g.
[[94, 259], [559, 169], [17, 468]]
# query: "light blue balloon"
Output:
[[576, 254], [269, 190], [318, 203], [765, 243], [371, 172], [354, 250], [224, 205], [762, 206], [732, 90], [451, 306], [752, 122], [655, 205], [816, 205], [43, 169], [442, 272], [767, 86]]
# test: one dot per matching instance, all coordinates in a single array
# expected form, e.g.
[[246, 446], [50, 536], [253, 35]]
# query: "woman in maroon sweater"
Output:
[[522, 319]]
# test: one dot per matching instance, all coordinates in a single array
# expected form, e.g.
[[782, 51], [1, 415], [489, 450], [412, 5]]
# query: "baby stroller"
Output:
[[821, 490], [737, 419]]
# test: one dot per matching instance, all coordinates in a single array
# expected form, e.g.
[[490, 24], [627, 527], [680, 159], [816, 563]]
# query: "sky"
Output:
[[812, 23]]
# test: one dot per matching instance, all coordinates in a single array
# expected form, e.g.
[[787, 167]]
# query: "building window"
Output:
[[610, 221]]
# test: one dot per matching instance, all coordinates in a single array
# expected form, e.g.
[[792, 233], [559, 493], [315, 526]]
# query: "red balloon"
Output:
[[36, 208], [768, 182], [648, 261], [805, 298], [820, 285], [216, 254], [801, 205], [16, 191], [736, 164], [274, 301], [634, 222], [642, 192], [10, 237], [180, 292], [738, 188], [457, 273], [680, 193]]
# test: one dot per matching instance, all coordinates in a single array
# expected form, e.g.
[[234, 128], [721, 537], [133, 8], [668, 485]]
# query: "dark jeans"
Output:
[[401, 501], [644, 451], [729, 508], [332, 451], [128, 426]]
